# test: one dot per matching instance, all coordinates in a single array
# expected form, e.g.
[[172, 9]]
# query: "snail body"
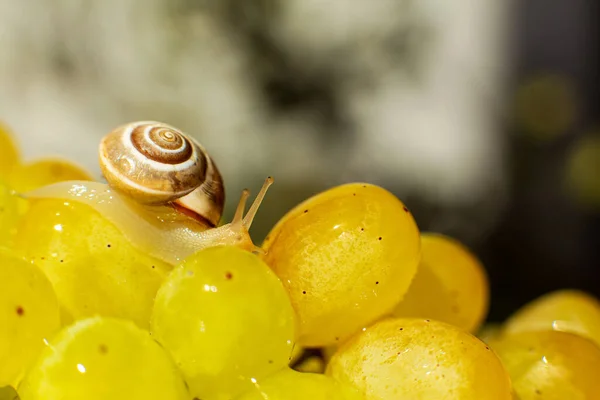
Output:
[[163, 192]]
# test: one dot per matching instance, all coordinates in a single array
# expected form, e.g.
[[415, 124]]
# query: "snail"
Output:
[[163, 192]]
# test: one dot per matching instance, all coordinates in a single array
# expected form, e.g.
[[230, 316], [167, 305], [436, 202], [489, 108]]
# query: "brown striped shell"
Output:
[[156, 164]]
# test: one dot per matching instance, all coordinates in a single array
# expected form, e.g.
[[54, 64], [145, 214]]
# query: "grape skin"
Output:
[[419, 359], [28, 315], [103, 358], [226, 319], [346, 257]]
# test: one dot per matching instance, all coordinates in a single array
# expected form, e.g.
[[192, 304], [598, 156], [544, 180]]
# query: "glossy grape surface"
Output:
[[419, 359], [346, 257], [226, 319], [564, 310], [450, 286], [550, 365], [9, 153], [28, 315], [43, 172], [103, 358], [9, 215], [291, 385], [93, 268]]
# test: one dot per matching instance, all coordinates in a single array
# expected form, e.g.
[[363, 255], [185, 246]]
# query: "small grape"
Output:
[[346, 257], [94, 269], [103, 358], [563, 310], [419, 359], [28, 315], [489, 332], [9, 215], [43, 172], [550, 365], [450, 286], [291, 385], [9, 153], [226, 319], [312, 364]]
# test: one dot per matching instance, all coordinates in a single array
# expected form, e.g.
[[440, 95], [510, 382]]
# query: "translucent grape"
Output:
[[312, 364], [28, 315], [103, 358], [93, 268], [563, 310], [419, 359], [550, 365], [226, 319], [346, 257], [9, 153], [291, 385], [43, 172], [9, 215], [450, 286], [490, 332]]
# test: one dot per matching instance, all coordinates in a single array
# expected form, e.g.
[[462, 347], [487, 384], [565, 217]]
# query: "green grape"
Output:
[[288, 384], [103, 358], [94, 269], [419, 359], [346, 257], [450, 286], [563, 310], [9, 153], [9, 215], [28, 315], [550, 365], [226, 319]]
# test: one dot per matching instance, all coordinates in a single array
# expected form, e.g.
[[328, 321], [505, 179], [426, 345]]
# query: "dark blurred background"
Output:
[[482, 116]]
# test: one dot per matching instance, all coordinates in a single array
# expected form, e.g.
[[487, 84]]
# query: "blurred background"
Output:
[[481, 115]]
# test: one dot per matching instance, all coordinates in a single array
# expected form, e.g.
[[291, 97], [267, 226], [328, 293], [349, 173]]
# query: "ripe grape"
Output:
[[92, 266], [346, 257], [419, 359], [291, 385], [450, 286], [28, 315], [490, 332], [563, 310], [313, 364], [9, 153], [9, 215], [226, 319], [43, 172], [551, 365], [103, 358]]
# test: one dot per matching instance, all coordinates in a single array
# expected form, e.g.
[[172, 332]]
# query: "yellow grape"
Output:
[[43, 172], [9, 215], [450, 286], [550, 365], [9, 153], [490, 332], [419, 359], [8, 393], [288, 384], [563, 310], [92, 266], [312, 364], [297, 353], [226, 319], [346, 257], [103, 358], [28, 315]]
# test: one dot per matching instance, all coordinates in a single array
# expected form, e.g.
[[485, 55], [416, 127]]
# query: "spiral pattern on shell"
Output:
[[154, 163]]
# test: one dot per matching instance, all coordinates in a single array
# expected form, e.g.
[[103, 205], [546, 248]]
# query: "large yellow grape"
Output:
[[28, 315], [92, 266], [9, 215], [420, 360], [9, 153], [226, 319], [551, 365], [291, 385], [450, 286], [103, 358], [43, 172], [346, 257], [563, 310]]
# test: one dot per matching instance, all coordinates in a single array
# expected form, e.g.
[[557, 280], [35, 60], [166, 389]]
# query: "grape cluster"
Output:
[[347, 300]]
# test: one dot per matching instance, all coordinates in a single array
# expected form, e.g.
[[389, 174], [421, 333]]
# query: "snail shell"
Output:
[[154, 163]]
